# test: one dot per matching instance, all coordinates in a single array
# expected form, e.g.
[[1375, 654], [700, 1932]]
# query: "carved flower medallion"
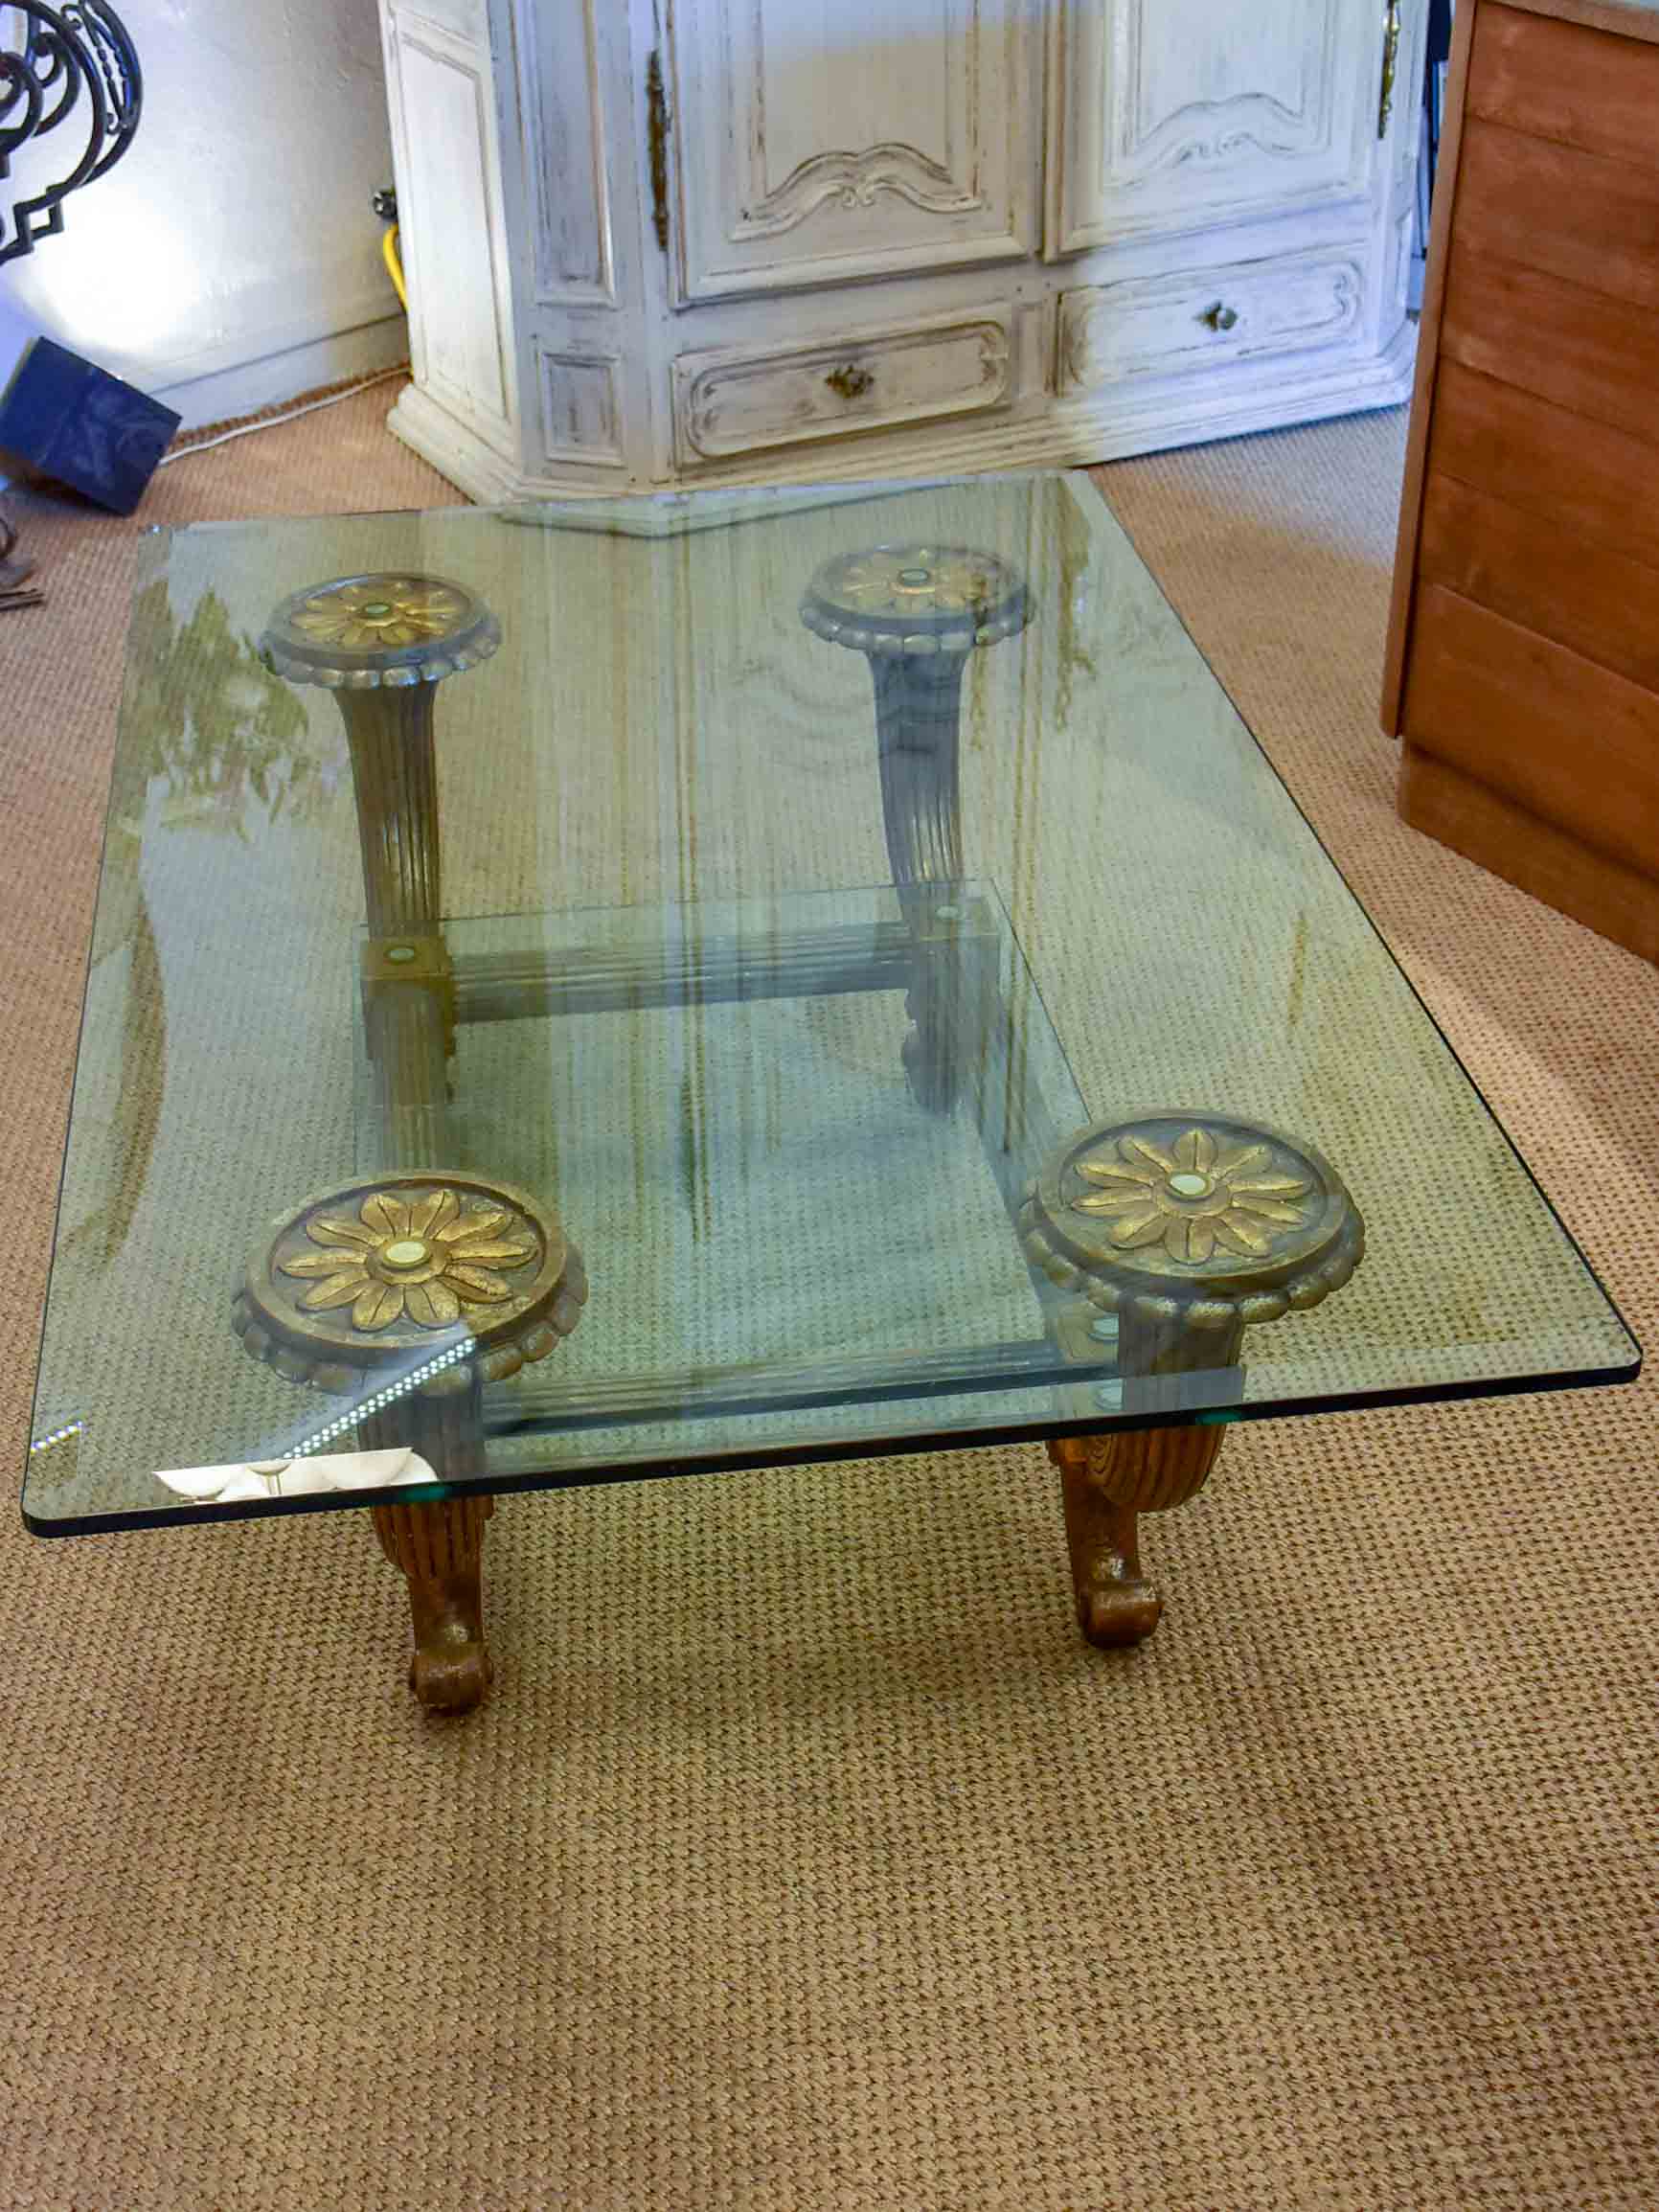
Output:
[[897, 579], [426, 1256], [1192, 1195], [380, 610]]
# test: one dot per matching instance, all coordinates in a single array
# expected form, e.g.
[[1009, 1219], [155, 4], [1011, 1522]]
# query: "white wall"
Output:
[[231, 259]]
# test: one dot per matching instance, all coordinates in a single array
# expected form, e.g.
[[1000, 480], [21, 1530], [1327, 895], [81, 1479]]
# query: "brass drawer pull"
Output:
[[849, 380], [1219, 317]]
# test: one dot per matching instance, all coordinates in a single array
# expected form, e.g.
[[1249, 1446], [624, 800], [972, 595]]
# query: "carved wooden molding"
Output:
[[409, 1283], [855, 179], [1105, 1482], [1190, 1225], [1212, 130]]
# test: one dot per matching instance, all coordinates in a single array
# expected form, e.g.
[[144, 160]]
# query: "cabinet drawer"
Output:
[[728, 403], [1167, 326]]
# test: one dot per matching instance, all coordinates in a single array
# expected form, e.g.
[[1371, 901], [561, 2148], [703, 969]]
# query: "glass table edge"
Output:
[[742, 503], [1371, 923], [598, 1475], [155, 541]]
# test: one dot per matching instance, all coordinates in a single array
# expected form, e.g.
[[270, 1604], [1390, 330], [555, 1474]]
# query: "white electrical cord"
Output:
[[293, 415]]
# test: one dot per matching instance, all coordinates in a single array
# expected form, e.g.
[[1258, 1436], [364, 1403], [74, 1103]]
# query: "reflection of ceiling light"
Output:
[[376, 1402], [70, 85], [56, 1436], [266, 1478], [381, 1399]]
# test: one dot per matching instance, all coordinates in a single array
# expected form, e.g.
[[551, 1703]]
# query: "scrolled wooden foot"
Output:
[[440, 1550], [1106, 1483]]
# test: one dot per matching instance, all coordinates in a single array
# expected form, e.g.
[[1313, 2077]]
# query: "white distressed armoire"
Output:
[[688, 241]]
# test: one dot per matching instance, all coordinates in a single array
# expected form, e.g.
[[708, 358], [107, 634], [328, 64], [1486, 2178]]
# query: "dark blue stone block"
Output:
[[83, 427]]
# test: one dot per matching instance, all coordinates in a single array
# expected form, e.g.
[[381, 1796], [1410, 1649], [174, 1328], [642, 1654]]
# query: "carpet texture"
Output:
[[803, 1858]]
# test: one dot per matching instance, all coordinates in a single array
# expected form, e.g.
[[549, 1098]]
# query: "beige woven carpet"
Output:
[[803, 1858]]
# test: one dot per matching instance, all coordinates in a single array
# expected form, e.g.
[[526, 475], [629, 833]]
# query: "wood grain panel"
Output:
[[1597, 357], [1562, 81], [1598, 482], [1622, 902], [1427, 371], [1625, 18], [1556, 208], [1568, 740], [1594, 601]]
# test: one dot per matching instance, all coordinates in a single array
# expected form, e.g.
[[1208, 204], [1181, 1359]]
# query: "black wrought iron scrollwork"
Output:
[[71, 64]]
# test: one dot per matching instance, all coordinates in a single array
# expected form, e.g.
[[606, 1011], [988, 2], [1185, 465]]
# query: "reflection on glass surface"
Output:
[[773, 962]]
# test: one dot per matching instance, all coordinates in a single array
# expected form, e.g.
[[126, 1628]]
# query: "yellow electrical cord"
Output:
[[393, 261]]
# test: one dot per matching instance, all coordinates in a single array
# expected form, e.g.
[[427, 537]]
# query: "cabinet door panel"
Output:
[[1169, 116], [459, 321], [817, 144], [562, 129]]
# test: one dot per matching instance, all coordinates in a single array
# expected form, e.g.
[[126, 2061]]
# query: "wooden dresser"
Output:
[[1523, 655]]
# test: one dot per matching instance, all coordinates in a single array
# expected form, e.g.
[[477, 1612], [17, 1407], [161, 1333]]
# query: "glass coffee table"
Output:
[[602, 992]]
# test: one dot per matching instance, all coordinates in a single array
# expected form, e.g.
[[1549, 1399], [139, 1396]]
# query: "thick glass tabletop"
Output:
[[636, 977]]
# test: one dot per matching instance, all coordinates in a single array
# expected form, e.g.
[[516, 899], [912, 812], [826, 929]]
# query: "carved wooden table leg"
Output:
[[916, 612], [426, 1280], [1192, 1228], [440, 1549], [404, 1293], [1106, 1483]]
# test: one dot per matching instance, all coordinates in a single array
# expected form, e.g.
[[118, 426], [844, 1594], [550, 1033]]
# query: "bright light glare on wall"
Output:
[[120, 284]]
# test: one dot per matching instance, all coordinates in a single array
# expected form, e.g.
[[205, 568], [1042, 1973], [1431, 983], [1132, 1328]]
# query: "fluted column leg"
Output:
[[918, 735], [395, 775], [918, 613], [917, 738]]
